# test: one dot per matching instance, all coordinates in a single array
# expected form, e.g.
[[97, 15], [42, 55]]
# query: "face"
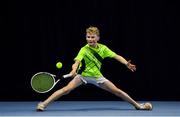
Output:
[[92, 39]]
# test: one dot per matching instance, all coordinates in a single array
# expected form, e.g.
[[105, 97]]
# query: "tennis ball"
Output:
[[59, 65]]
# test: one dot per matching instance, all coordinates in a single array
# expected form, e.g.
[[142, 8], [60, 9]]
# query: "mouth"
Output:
[[91, 43]]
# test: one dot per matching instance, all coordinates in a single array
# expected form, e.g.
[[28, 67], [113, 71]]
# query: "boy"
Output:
[[89, 58]]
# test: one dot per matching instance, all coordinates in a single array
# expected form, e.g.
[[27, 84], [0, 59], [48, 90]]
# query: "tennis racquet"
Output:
[[43, 82]]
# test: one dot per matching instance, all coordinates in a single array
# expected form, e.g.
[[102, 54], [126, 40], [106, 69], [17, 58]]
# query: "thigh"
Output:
[[108, 86], [75, 82]]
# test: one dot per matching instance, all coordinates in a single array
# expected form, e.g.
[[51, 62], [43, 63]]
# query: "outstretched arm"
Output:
[[74, 68], [125, 62]]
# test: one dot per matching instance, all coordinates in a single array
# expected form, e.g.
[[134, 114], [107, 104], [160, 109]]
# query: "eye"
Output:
[[90, 36]]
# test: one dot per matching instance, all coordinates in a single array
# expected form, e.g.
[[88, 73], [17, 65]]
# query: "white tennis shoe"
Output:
[[144, 106], [40, 107]]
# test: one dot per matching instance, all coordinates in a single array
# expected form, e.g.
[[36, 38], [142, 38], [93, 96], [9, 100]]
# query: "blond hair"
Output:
[[93, 30]]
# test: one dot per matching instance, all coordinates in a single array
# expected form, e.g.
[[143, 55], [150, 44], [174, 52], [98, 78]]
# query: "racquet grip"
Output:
[[67, 75]]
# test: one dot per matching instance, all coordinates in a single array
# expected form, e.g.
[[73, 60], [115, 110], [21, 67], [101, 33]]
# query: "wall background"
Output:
[[35, 35]]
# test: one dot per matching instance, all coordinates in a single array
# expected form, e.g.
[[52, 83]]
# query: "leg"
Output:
[[63, 91], [109, 86]]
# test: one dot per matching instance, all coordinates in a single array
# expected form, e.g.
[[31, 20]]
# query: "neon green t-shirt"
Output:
[[93, 63]]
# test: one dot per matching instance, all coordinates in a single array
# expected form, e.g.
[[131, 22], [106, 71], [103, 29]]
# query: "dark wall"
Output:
[[38, 34]]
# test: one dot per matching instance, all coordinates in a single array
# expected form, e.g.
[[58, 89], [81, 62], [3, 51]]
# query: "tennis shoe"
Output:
[[40, 107], [144, 106]]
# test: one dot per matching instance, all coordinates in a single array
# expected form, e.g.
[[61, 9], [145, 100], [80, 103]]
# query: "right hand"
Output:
[[74, 68], [73, 73]]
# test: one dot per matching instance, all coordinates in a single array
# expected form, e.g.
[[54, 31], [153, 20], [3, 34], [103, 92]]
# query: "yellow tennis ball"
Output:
[[59, 65]]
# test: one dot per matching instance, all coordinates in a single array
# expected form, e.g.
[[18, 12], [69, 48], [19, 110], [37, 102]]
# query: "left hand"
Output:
[[131, 66]]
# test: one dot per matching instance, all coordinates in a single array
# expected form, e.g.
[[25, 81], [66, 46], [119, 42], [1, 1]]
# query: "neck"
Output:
[[94, 46]]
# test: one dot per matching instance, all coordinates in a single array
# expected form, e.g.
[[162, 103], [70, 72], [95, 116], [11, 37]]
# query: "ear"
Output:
[[98, 37]]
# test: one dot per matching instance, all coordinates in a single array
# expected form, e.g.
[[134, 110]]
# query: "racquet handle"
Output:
[[67, 75]]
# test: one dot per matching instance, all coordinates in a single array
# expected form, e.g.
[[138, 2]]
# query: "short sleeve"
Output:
[[108, 52], [80, 55]]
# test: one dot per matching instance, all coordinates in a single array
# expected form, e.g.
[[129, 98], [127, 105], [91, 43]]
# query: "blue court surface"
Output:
[[89, 108]]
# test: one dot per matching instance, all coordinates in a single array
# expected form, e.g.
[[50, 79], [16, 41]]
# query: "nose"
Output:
[[89, 38]]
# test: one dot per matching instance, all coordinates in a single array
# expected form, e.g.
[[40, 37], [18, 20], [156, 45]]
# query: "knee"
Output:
[[66, 90], [117, 91]]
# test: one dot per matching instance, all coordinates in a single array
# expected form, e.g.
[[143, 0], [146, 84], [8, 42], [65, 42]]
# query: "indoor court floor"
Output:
[[89, 108]]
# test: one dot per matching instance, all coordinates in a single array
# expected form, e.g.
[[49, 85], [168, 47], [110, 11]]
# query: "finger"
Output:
[[133, 68], [129, 61]]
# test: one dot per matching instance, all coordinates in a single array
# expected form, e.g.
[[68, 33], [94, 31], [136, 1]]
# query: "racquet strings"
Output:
[[42, 82]]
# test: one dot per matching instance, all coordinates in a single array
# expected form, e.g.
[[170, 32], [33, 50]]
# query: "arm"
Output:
[[74, 68], [125, 62]]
